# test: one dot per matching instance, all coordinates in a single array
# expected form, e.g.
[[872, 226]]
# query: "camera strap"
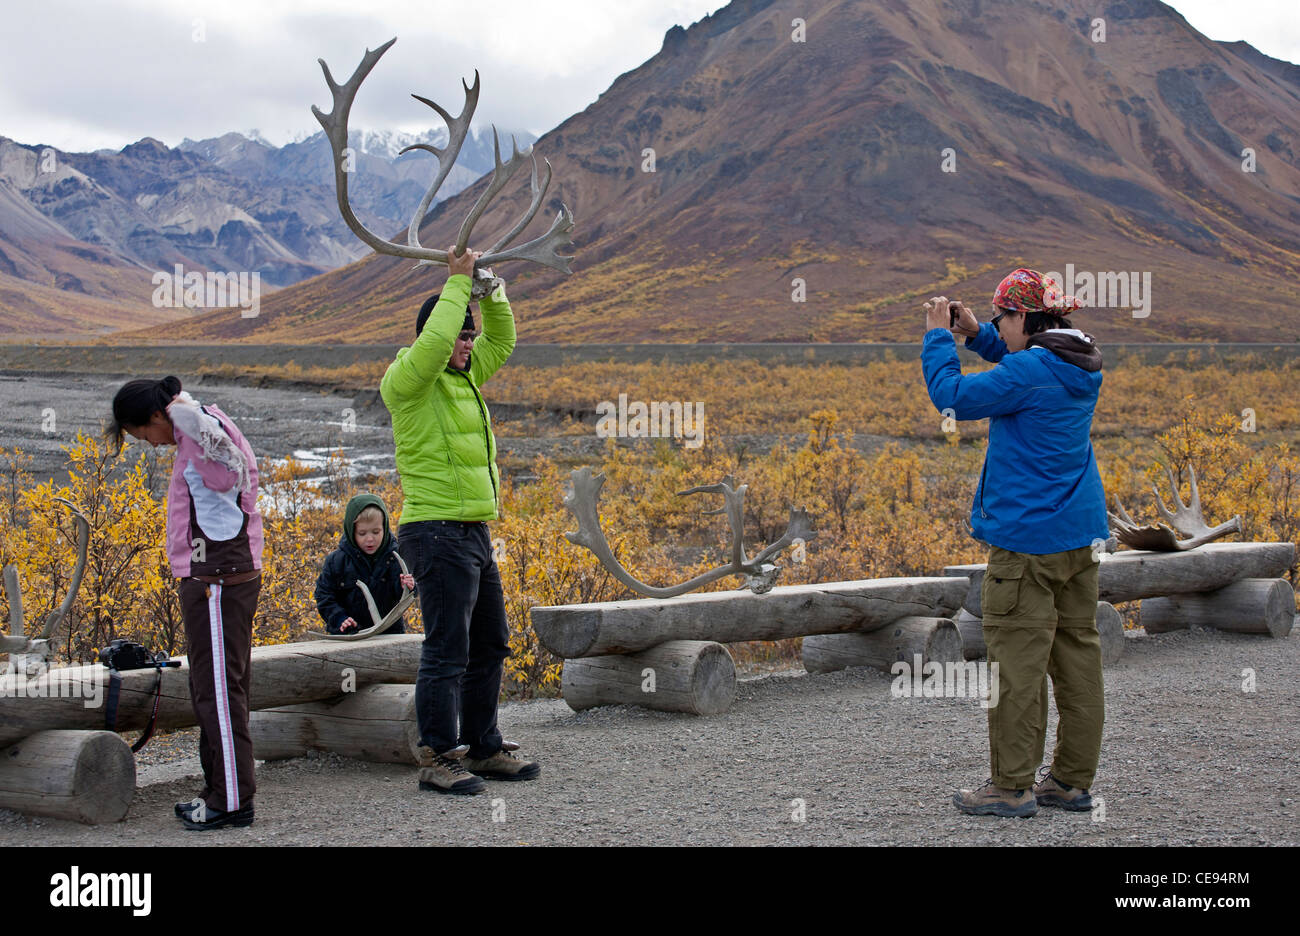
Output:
[[115, 691]]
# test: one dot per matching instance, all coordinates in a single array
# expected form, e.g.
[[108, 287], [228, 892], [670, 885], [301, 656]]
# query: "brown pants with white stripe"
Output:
[[219, 628]]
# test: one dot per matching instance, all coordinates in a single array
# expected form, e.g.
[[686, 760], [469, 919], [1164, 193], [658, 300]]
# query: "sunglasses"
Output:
[[467, 336], [1002, 313]]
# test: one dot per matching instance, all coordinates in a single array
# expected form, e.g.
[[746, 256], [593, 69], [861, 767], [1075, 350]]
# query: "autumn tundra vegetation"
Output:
[[858, 445]]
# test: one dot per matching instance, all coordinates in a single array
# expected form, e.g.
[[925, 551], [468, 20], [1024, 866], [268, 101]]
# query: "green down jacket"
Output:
[[446, 454]]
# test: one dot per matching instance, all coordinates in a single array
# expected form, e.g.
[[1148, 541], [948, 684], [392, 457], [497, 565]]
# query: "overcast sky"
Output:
[[85, 75]]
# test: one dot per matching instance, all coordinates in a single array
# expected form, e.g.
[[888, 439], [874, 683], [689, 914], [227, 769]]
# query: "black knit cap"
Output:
[[427, 309]]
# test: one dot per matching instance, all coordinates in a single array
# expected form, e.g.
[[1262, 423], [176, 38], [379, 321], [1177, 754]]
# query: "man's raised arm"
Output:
[[415, 371], [497, 342]]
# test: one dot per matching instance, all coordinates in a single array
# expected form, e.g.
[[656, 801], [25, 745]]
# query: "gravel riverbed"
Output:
[[1189, 758]]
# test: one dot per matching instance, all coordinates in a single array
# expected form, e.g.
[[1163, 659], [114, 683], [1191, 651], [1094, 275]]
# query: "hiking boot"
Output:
[[183, 810], [203, 817], [444, 773], [992, 800], [426, 755], [503, 766], [1052, 792]]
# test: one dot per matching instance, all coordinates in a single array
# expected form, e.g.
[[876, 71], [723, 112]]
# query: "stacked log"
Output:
[[376, 723], [1110, 627], [695, 676], [1251, 606], [971, 629], [86, 776], [934, 640]]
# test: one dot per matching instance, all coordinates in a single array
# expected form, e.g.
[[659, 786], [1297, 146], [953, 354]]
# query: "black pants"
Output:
[[466, 637], [219, 628]]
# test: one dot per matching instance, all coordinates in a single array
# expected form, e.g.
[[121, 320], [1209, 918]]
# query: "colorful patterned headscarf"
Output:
[[1029, 291]]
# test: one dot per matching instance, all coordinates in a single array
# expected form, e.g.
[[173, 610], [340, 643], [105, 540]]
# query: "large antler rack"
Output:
[[1186, 519], [584, 501], [543, 250]]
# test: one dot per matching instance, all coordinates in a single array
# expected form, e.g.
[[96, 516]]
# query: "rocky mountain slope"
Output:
[[871, 152], [97, 226]]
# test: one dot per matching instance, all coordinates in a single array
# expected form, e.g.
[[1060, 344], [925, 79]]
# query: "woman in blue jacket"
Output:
[[1041, 509]]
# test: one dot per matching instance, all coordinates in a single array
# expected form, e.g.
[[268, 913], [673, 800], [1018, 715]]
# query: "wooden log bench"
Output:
[[283, 674], [571, 631], [615, 635]]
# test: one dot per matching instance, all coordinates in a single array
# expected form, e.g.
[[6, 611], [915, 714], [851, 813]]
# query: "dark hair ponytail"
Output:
[[136, 402]]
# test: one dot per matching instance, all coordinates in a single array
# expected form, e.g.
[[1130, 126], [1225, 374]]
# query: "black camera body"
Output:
[[124, 655]]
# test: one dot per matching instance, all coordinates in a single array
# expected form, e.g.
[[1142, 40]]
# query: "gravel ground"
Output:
[[1189, 758]]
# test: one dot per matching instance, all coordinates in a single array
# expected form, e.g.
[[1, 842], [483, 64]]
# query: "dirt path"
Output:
[[1188, 758]]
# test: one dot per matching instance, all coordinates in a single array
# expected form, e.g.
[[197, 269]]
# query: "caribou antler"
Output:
[[1187, 519], [584, 501], [379, 624], [543, 250], [39, 647]]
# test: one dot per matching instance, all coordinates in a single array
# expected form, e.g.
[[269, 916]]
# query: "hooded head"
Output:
[[369, 524], [467, 326]]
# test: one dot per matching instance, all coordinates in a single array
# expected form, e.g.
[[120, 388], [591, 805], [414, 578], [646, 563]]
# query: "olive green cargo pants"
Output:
[[1040, 620]]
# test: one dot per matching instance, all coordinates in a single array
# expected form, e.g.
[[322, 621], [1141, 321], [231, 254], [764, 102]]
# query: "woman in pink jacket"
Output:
[[214, 545]]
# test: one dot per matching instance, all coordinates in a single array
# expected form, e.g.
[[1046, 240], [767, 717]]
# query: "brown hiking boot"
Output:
[[992, 800], [444, 773], [1052, 792], [503, 766]]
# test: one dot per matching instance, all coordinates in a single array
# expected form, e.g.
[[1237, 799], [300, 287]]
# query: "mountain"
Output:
[[100, 224], [385, 183], [822, 160]]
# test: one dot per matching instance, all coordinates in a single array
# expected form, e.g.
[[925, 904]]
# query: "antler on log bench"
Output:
[[609, 645]]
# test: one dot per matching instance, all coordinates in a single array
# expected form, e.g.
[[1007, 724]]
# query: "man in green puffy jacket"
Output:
[[446, 457]]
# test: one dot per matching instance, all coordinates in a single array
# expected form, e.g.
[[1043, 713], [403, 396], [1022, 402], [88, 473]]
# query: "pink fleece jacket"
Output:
[[212, 527]]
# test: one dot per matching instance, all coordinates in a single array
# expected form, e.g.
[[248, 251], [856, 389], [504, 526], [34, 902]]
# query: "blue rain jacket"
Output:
[[1039, 491]]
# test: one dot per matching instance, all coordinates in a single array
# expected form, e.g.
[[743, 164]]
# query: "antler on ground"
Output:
[[584, 500], [543, 250], [1186, 519]]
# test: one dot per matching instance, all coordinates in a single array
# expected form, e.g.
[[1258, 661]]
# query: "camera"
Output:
[[123, 655]]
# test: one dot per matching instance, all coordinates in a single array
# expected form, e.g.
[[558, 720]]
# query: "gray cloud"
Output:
[[80, 75]]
